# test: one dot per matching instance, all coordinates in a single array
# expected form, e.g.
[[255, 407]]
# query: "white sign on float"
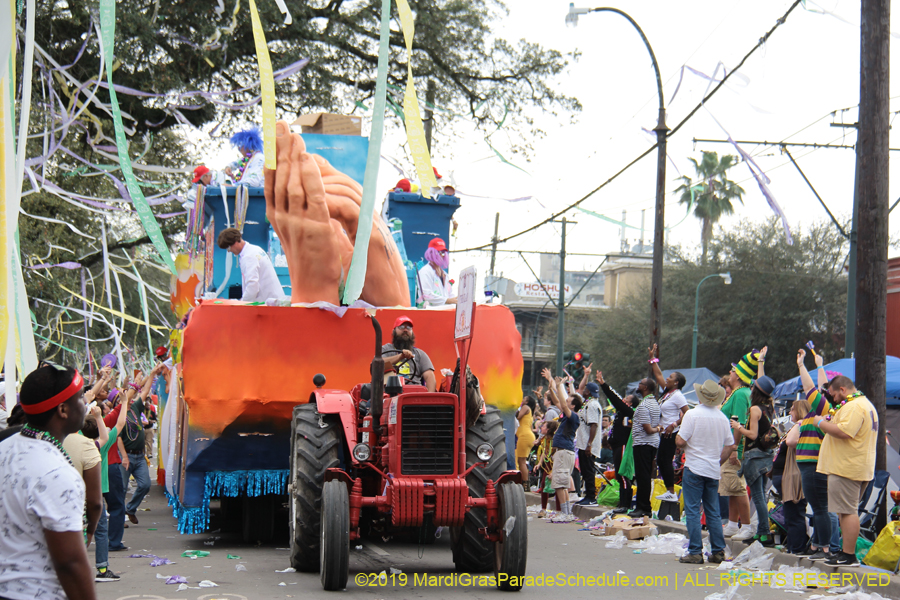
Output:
[[465, 304], [536, 290]]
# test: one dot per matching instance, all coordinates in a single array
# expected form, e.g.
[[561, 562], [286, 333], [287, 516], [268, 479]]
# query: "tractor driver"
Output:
[[415, 366]]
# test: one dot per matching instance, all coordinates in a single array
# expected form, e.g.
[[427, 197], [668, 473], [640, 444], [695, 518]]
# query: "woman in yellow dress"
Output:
[[525, 436]]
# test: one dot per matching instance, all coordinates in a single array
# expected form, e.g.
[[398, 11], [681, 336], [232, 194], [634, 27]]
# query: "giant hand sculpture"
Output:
[[314, 209]]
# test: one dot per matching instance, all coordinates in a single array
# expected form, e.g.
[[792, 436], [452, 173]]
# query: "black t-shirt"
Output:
[[133, 436]]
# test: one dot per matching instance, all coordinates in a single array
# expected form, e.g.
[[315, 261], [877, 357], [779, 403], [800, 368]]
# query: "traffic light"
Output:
[[576, 362]]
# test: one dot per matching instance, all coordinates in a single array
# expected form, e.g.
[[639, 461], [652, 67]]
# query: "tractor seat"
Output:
[[355, 392]]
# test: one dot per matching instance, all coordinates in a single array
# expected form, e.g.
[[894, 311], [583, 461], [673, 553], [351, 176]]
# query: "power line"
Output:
[[728, 74]]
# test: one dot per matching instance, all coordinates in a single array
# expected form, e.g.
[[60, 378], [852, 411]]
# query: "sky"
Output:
[[785, 91]]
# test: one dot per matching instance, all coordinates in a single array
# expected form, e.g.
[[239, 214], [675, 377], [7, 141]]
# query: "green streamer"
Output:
[[108, 35], [357, 275], [37, 335]]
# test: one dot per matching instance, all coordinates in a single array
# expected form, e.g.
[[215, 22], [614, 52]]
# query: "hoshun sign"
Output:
[[536, 290]]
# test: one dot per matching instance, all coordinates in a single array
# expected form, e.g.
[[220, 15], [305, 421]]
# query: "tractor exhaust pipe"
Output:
[[377, 401]]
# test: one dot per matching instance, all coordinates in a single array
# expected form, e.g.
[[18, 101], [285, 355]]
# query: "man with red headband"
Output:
[[434, 282], [402, 356], [42, 549]]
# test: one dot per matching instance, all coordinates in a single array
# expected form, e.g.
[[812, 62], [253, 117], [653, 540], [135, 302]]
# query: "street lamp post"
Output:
[[727, 278], [661, 133]]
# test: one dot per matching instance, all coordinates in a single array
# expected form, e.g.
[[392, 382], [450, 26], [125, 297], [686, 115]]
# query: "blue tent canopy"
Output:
[[847, 366], [691, 376]]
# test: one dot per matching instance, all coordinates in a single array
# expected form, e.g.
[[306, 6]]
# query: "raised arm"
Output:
[[563, 400], [614, 398], [823, 376], [761, 367], [654, 364], [805, 379], [585, 378], [101, 426]]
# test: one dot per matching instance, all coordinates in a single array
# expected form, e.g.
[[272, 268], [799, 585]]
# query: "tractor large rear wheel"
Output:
[[335, 536], [472, 553], [315, 448], [511, 552]]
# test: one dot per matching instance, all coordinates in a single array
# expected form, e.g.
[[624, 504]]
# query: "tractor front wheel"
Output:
[[472, 553], [315, 448], [511, 552], [334, 542]]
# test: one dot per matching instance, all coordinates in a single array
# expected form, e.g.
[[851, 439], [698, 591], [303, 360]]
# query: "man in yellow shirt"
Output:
[[847, 456]]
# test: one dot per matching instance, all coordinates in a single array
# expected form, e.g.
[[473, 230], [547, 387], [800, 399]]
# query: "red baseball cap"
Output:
[[403, 184], [199, 172], [401, 320], [438, 244]]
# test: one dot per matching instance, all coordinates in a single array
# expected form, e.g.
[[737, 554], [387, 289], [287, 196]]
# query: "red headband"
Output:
[[54, 401]]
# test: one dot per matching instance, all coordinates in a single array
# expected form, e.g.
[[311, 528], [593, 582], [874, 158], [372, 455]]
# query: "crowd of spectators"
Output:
[[70, 448], [731, 450]]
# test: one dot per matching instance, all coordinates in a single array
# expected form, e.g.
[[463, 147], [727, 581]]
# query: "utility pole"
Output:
[[561, 325], [872, 164], [852, 278], [494, 244], [429, 113]]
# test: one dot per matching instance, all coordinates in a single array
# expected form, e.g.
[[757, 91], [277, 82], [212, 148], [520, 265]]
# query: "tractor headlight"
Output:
[[362, 452], [484, 452]]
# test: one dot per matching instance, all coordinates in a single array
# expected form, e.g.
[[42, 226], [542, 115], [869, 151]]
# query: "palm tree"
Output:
[[711, 194]]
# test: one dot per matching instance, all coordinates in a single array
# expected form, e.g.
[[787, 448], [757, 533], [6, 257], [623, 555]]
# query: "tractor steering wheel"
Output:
[[414, 367]]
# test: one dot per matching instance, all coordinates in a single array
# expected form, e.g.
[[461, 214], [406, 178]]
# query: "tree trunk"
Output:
[[872, 193], [705, 235]]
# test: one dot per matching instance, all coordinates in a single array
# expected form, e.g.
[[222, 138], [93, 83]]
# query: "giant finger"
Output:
[[316, 207], [283, 143]]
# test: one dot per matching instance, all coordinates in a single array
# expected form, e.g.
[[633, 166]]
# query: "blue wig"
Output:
[[249, 138]]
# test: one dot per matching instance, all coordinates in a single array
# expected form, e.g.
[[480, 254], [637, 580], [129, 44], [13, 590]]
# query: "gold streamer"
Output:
[[267, 86], [415, 131]]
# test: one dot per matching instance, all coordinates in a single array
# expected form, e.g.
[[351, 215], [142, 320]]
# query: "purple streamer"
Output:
[[761, 180], [62, 265], [280, 74]]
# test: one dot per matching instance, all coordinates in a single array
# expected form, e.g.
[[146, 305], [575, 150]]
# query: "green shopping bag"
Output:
[[626, 469], [609, 496]]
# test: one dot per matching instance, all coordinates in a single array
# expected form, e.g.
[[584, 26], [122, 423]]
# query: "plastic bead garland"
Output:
[[833, 411], [242, 166]]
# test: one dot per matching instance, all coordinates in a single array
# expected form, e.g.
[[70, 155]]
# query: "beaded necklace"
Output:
[[46, 436], [850, 398], [242, 165]]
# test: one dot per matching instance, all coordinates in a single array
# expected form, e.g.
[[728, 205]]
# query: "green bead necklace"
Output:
[[36, 434]]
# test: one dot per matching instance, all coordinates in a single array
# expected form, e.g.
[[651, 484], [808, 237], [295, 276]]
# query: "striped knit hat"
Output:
[[746, 367]]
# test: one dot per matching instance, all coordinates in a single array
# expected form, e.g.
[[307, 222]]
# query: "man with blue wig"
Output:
[[248, 170]]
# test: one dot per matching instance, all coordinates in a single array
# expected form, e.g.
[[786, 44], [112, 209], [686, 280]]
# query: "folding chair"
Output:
[[868, 517]]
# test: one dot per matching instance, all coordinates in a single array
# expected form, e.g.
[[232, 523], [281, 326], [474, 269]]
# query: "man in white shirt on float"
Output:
[[258, 278]]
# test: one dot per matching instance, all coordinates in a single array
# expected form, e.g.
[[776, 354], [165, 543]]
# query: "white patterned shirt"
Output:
[[647, 412], [41, 490]]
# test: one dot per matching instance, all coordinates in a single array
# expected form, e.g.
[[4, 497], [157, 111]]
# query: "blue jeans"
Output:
[[115, 502], [138, 467], [758, 496], [101, 539], [697, 489], [815, 490]]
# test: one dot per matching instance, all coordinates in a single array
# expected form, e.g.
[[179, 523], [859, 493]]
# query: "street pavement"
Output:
[[558, 555]]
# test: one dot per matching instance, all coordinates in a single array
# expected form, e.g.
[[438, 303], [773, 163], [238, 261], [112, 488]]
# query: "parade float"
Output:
[[243, 369]]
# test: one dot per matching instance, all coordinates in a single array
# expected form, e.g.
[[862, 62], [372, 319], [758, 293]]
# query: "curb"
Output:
[[891, 590]]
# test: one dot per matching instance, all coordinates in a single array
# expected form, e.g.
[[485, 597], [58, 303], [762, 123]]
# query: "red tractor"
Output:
[[393, 459]]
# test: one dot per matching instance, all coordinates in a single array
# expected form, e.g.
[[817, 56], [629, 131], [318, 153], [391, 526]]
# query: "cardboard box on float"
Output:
[[329, 124]]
